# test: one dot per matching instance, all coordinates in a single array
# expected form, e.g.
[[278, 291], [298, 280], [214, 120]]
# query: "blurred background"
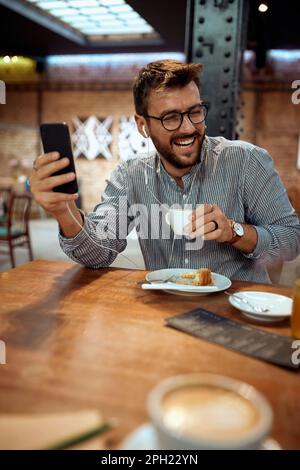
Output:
[[74, 61]]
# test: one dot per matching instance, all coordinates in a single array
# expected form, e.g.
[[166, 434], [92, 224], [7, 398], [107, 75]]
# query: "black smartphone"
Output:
[[56, 138]]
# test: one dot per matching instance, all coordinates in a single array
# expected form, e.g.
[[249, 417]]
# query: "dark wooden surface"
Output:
[[77, 338]]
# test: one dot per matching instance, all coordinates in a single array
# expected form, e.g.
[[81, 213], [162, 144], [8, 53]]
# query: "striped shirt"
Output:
[[237, 176]]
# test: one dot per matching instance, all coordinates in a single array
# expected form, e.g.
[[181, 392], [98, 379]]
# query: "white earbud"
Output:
[[144, 131]]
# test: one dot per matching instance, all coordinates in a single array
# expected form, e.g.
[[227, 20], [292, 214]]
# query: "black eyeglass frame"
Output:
[[203, 105]]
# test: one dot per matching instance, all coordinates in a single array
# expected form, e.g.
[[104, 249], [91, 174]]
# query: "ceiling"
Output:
[[275, 29]]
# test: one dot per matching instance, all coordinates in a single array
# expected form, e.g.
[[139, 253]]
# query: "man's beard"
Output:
[[166, 152]]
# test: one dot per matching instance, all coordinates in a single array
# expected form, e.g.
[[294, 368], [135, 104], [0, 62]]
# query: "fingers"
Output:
[[203, 216], [208, 208], [205, 210], [49, 183], [209, 222], [212, 235], [49, 168], [44, 166], [203, 230], [42, 183], [45, 159], [53, 198]]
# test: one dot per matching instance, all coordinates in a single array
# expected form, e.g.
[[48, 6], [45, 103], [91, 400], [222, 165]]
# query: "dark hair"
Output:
[[161, 75]]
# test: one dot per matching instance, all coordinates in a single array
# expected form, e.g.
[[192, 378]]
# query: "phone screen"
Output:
[[56, 138]]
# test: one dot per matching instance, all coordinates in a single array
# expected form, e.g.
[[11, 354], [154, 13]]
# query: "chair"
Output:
[[5, 193], [15, 229]]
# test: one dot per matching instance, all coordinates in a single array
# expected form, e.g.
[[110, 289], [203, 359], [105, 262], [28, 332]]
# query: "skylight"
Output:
[[96, 17]]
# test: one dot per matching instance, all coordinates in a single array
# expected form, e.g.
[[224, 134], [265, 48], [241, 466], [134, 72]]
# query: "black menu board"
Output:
[[237, 336]]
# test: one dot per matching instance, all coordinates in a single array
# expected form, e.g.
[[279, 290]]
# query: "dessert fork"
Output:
[[156, 281]]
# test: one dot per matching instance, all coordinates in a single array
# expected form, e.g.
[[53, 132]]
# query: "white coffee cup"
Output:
[[207, 411], [178, 219]]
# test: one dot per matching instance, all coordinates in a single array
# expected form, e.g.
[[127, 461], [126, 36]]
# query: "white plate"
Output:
[[144, 438], [220, 282], [280, 307]]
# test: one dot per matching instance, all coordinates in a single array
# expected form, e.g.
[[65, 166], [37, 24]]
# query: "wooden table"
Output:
[[78, 338]]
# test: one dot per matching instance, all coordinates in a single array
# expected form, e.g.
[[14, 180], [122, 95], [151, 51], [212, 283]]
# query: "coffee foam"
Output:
[[209, 412]]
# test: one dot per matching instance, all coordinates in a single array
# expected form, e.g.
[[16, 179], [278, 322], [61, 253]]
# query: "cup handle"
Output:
[[167, 218]]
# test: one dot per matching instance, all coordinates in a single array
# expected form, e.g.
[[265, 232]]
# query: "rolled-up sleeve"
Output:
[[104, 231], [268, 209]]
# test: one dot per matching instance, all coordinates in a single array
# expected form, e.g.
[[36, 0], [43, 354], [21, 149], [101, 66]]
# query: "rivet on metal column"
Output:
[[216, 37]]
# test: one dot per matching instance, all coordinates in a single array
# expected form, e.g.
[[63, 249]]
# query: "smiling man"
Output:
[[179, 147], [240, 207]]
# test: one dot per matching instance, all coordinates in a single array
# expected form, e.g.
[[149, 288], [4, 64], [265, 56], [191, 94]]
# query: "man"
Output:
[[241, 209]]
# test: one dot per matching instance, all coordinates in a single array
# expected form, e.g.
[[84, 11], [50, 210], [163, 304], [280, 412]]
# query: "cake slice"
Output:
[[203, 277]]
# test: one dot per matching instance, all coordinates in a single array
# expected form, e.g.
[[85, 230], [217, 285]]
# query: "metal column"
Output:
[[216, 36]]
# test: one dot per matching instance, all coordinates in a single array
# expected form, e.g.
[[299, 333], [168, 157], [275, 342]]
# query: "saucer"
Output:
[[144, 438], [280, 307]]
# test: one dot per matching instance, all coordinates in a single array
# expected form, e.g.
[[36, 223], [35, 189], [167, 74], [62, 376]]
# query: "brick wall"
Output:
[[270, 121]]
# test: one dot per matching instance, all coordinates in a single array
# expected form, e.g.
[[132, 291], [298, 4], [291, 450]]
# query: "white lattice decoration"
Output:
[[130, 142], [92, 137]]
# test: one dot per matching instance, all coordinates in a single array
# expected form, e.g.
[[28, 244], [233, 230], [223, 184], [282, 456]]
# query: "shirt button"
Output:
[[186, 261]]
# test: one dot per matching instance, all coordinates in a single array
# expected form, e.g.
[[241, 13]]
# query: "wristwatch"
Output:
[[237, 232]]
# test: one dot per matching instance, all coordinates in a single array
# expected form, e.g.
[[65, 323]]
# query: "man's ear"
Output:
[[141, 125]]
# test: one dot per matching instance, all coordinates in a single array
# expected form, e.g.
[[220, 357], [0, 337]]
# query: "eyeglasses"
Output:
[[173, 120]]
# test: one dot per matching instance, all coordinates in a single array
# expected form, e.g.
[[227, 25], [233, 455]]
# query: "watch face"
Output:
[[239, 230]]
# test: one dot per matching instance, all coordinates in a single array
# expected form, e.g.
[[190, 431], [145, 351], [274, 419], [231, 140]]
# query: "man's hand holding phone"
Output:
[[53, 181], [42, 182]]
